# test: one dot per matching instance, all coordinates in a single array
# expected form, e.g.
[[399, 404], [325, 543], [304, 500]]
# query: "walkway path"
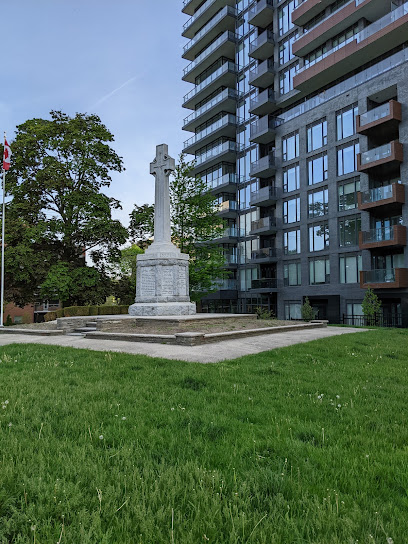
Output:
[[209, 353]]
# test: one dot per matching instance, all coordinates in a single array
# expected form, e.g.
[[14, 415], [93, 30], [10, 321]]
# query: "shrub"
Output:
[[263, 313], [60, 313], [124, 309], [109, 310], [93, 310], [8, 321], [73, 311], [50, 316], [371, 307], [307, 311]]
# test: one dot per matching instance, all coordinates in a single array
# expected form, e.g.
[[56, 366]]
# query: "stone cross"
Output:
[[161, 168]]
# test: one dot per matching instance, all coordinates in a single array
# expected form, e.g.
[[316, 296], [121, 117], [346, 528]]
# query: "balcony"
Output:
[[265, 225], [264, 167], [263, 75], [224, 76], [227, 285], [373, 41], [265, 196], [226, 151], [264, 285], [394, 236], [381, 197], [226, 183], [262, 47], [391, 278], [229, 236], [225, 126], [225, 101], [264, 255], [261, 14], [338, 21], [231, 260], [222, 21], [307, 10], [228, 208], [264, 103], [224, 46], [263, 131], [391, 154], [386, 116], [201, 16]]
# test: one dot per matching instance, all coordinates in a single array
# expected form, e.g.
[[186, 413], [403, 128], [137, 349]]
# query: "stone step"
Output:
[[76, 334], [91, 324], [85, 329]]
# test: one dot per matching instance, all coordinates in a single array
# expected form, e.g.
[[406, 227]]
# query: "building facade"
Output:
[[300, 126]]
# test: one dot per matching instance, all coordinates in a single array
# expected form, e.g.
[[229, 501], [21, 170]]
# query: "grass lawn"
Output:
[[307, 444]]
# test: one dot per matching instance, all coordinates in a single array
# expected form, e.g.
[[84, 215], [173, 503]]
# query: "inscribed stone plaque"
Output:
[[182, 280], [167, 281], [148, 282]]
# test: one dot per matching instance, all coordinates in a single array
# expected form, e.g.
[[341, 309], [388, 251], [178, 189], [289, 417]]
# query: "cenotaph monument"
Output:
[[162, 271]]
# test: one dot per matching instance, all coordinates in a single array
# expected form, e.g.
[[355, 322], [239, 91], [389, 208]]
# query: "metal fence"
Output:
[[379, 320]]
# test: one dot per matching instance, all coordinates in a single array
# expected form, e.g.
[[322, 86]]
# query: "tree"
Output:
[[307, 311], [123, 271], [59, 211], [371, 306], [195, 225]]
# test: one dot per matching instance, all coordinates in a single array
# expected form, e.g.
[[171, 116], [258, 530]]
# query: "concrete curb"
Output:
[[34, 332]]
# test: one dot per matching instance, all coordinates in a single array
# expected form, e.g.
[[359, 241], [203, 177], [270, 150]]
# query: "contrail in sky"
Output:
[[109, 95]]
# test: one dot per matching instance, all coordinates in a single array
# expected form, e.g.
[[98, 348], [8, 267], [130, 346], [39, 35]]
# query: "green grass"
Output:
[[307, 444]]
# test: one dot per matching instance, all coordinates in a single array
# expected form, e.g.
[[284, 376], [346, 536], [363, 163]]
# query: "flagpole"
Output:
[[2, 244]]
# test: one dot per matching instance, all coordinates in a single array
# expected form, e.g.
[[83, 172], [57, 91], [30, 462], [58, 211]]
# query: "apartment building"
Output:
[[299, 115]]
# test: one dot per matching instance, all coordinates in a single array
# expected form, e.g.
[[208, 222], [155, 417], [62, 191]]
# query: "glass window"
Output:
[[286, 78], [346, 121], [350, 266], [318, 202], [285, 48], [319, 271], [317, 135], [291, 241], [291, 210], [349, 227], [347, 159], [354, 309], [316, 55], [319, 236], [291, 178], [292, 273], [18, 319], [285, 16], [290, 146], [348, 194], [317, 169], [293, 309]]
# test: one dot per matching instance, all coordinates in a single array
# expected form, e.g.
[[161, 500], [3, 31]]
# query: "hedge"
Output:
[[73, 311]]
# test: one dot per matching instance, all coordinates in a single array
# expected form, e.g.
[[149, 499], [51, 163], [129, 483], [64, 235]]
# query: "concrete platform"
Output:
[[210, 353]]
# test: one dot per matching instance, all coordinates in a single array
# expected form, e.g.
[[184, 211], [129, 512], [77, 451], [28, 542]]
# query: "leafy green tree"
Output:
[[123, 272], [195, 226], [307, 312], [59, 211], [371, 306]]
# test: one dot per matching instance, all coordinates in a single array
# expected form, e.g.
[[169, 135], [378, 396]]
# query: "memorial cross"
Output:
[[161, 168]]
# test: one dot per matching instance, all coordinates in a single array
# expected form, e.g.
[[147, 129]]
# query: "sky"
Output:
[[119, 59]]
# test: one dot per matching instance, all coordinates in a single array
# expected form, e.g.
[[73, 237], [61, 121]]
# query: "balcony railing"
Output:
[[198, 14], [259, 74], [382, 234], [263, 165], [264, 124], [267, 37], [264, 283], [223, 95], [227, 67], [390, 278], [266, 194], [228, 119], [228, 205], [393, 194], [231, 258], [375, 115], [262, 100], [264, 253], [255, 15], [377, 194], [226, 285], [264, 223], [223, 180], [220, 149], [225, 36], [227, 10], [232, 232], [380, 276], [377, 154]]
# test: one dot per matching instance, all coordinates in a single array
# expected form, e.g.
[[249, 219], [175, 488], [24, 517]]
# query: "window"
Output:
[[18, 319], [350, 266], [319, 271], [315, 55], [345, 37], [293, 309], [318, 202], [317, 169], [285, 49], [286, 78], [347, 159], [354, 309], [291, 242], [290, 146], [346, 121], [348, 194], [292, 273], [319, 236], [317, 135], [291, 210], [349, 227], [291, 178], [285, 16]]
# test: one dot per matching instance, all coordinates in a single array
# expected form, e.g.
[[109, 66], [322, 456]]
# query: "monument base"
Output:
[[162, 308]]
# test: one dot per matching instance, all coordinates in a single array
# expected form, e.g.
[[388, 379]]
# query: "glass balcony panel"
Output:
[[265, 283], [228, 66], [380, 276], [223, 95], [220, 15], [382, 234], [226, 285], [376, 154], [375, 115], [216, 151], [228, 35], [264, 222], [228, 119], [379, 193], [198, 13], [226, 178], [228, 205]]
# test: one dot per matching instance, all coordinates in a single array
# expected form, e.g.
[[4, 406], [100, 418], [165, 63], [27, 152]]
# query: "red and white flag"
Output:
[[6, 155]]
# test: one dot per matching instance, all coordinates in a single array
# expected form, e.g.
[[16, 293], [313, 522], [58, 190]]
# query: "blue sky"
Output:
[[119, 59]]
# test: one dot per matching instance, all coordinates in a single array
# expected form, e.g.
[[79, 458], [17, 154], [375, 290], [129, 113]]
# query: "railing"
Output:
[[379, 193], [232, 232], [234, 147], [264, 163], [225, 36], [376, 114], [264, 124], [263, 223], [380, 276], [376, 154], [231, 258], [226, 93], [227, 206], [259, 6], [226, 285], [265, 193], [198, 13], [266, 36], [382, 234], [305, 31], [226, 178], [227, 10], [228, 119], [264, 96], [265, 66], [378, 320], [265, 283], [264, 253], [227, 67]]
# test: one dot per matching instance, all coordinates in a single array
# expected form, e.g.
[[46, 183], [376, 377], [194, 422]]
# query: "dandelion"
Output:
[[337, 396], [390, 540], [123, 418], [3, 406], [101, 437], [33, 527], [10, 424], [339, 406], [6, 402]]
